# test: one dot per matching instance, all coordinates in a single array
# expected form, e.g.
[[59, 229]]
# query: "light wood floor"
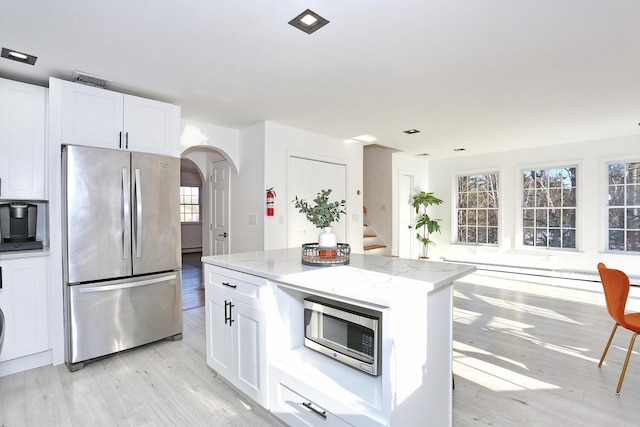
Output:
[[525, 354], [192, 287], [164, 384]]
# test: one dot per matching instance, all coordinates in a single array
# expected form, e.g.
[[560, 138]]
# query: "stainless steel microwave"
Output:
[[344, 332]]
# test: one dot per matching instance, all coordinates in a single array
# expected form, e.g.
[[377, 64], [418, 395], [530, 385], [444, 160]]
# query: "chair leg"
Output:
[[626, 361], [608, 344]]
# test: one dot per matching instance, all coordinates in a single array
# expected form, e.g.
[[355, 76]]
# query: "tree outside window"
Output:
[[477, 208], [549, 207], [624, 207], [190, 204]]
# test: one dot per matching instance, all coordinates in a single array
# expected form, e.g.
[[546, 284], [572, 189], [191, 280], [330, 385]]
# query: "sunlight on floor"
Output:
[[492, 376], [525, 308]]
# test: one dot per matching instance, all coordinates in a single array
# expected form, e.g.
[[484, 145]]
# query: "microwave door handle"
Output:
[[126, 211], [138, 194]]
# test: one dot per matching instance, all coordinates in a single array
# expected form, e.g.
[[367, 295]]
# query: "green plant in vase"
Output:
[[421, 202], [322, 214]]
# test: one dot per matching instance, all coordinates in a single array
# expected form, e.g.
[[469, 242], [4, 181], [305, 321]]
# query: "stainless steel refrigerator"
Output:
[[122, 251]]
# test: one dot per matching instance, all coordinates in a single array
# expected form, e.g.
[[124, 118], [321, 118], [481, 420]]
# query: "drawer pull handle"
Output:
[[310, 407], [229, 285]]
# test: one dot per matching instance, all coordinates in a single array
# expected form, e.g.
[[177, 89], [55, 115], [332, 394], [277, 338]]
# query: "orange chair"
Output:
[[616, 291]]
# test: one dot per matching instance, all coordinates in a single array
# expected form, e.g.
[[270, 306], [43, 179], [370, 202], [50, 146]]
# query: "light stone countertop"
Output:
[[370, 279]]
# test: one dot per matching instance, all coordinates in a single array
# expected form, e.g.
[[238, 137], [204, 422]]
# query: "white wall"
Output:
[[248, 193], [225, 140], [281, 142], [589, 156]]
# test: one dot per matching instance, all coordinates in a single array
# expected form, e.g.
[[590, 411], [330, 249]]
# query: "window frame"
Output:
[[607, 207], [521, 208], [457, 209], [199, 204]]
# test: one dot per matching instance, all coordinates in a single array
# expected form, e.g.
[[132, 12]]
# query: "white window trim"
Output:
[[519, 232]]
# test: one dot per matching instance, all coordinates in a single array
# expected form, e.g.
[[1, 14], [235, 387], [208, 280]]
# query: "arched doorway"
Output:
[[204, 209]]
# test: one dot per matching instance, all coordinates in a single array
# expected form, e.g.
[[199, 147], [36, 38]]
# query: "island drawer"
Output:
[[240, 286], [296, 410]]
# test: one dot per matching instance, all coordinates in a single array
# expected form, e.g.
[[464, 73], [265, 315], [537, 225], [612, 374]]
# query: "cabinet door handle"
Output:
[[310, 407], [0, 277], [120, 140], [228, 315], [229, 285], [126, 140]]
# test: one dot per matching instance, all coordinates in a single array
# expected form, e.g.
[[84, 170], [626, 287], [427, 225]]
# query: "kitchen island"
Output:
[[255, 337]]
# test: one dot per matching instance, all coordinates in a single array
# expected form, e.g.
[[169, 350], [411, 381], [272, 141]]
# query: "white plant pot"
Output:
[[327, 239]]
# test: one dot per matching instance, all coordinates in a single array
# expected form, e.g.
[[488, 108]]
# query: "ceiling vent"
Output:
[[89, 79]]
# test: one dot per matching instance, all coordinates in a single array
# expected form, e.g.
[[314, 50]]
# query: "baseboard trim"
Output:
[[191, 250]]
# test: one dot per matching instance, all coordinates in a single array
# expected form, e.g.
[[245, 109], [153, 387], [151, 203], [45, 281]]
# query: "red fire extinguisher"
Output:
[[271, 195]]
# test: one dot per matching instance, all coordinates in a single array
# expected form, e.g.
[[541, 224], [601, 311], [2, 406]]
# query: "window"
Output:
[[190, 204], [549, 207], [477, 208], [624, 207]]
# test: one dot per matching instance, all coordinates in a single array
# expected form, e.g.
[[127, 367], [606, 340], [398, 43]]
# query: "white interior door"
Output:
[[219, 207], [405, 216], [307, 177]]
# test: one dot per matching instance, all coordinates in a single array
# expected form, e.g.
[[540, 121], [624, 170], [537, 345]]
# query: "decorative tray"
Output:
[[312, 254]]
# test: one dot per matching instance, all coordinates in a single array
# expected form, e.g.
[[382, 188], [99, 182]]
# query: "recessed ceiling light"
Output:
[[365, 138], [459, 149], [25, 58], [308, 21], [411, 131]]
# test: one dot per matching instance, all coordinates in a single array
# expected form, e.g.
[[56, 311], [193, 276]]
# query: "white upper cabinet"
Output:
[[101, 118], [151, 126], [22, 141], [91, 116]]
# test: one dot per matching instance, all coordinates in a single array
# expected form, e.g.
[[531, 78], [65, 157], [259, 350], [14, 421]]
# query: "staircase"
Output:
[[373, 245]]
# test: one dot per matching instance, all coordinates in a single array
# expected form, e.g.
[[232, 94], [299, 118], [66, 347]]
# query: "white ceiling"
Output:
[[486, 75]]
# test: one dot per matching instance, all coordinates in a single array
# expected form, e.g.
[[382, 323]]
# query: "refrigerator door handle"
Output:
[[127, 285], [138, 194], [126, 211]]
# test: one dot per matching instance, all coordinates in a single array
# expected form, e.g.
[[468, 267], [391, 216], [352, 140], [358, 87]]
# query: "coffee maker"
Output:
[[18, 222]]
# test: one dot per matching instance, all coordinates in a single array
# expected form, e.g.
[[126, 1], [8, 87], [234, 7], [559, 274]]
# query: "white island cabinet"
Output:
[[235, 327], [307, 388], [102, 118]]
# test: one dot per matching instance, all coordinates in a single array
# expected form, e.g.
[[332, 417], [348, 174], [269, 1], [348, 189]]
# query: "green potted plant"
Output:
[[421, 202], [322, 214]]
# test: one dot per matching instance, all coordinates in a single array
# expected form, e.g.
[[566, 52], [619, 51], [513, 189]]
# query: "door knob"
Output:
[[223, 234]]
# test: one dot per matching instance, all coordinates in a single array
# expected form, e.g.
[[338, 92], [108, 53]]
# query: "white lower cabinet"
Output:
[[236, 331], [24, 302]]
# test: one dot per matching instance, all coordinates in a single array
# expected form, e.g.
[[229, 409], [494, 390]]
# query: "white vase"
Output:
[[327, 239]]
